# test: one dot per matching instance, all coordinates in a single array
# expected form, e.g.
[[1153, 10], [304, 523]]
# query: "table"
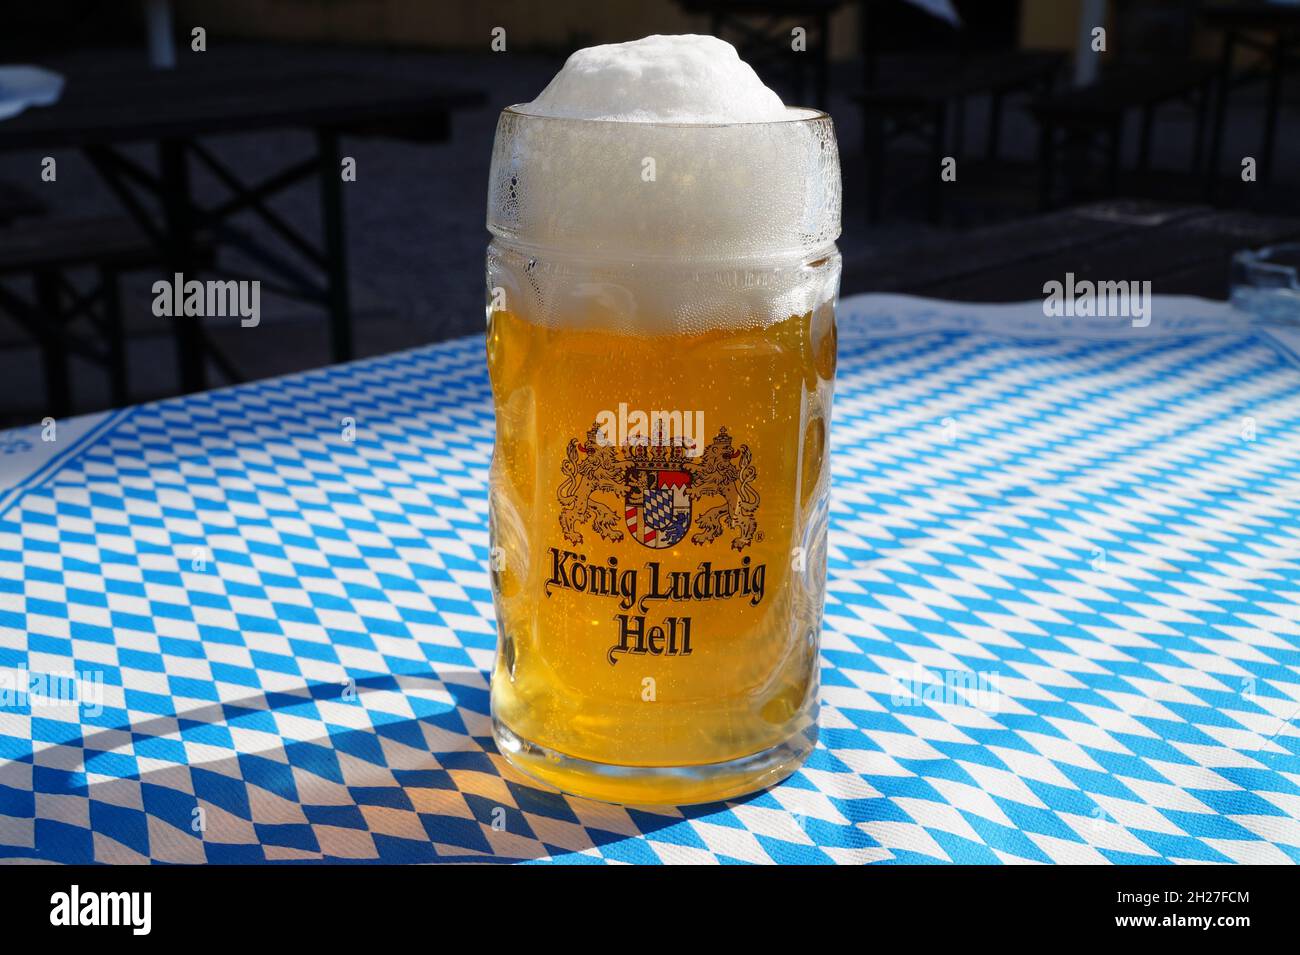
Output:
[[177, 108], [1181, 249], [295, 630], [1241, 21]]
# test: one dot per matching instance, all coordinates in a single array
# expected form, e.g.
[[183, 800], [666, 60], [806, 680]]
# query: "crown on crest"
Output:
[[640, 451], [596, 438], [637, 449]]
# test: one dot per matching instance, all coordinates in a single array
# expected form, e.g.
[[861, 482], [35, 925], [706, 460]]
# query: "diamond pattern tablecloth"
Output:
[[1062, 624]]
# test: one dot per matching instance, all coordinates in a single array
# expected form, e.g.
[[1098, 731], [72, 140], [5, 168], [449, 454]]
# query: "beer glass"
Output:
[[661, 343]]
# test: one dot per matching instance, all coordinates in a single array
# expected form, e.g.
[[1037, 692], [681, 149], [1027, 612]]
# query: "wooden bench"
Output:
[[180, 110], [1081, 119], [914, 95], [46, 252]]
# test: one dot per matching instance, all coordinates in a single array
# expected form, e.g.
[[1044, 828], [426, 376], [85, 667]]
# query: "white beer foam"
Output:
[[660, 181], [660, 79]]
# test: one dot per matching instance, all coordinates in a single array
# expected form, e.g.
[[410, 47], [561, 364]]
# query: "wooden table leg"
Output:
[[1274, 102], [1046, 164], [331, 186], [959, 129], [54, 351], [823, 62], [873, 122], [1220, 113], [1144, 139], [174, 180], [1113, 147], [1203, 94], [937, 145], [995, 124], [114, 334]]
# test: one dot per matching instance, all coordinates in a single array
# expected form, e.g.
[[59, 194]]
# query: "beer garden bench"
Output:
[[922, 95], [1087, 119], [1264, 27], [48, 253], [179, 110]]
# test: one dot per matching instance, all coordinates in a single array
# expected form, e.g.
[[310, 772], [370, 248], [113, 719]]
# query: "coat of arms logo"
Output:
[[659, 485]]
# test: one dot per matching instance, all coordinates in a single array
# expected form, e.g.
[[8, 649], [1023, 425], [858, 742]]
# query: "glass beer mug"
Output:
[[661, 342]]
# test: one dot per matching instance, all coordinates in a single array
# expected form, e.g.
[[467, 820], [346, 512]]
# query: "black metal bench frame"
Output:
[[1281, 46], [178, 111], [183, 223], [109, 248], [58, 304], [1100, 128], [894, 113]]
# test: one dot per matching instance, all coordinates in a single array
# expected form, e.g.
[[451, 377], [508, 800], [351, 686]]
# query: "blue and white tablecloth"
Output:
[[1063, 618]]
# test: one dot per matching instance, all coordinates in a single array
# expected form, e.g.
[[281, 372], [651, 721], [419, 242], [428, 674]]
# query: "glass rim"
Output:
[[807, 114]]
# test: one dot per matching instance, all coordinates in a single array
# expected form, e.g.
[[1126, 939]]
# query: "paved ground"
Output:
[[415, 216]]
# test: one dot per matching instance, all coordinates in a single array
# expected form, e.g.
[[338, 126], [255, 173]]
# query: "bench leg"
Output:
[[940, 120], [874, 126], [1202, 107], [331, 185], [959, 129], [1114, 137], [175, 179], [1274, 102], [1144, 139], [1220, 113], [823, 62], [1046, 165], [995, 125], [115, 335], [54, 351]]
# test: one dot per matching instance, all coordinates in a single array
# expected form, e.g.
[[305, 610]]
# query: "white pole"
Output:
[[158, 21], [1092, 14]]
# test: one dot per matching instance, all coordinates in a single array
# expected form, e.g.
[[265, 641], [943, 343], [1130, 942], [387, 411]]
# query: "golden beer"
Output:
[[659, 495]]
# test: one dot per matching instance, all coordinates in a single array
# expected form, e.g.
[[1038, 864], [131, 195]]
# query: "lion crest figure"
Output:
[[589, 468], [658, 486], [722, 472]]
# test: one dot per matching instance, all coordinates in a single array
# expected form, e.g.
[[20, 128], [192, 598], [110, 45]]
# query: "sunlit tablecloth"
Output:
[[1063, 619]]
